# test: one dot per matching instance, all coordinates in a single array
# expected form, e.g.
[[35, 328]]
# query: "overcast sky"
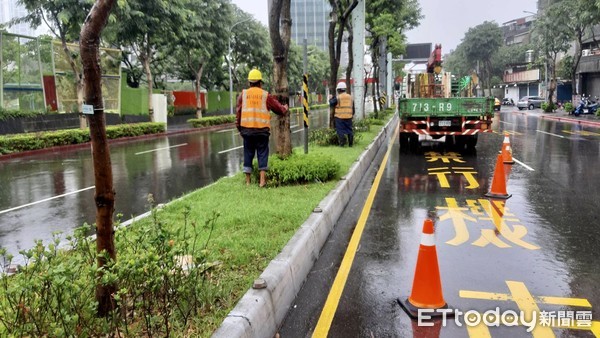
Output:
[[445, 22]]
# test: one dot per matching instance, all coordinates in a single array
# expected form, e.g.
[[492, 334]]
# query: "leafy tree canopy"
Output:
[[63, 17]]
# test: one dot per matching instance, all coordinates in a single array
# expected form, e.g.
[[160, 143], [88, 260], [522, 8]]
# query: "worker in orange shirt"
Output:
[[253, 120]]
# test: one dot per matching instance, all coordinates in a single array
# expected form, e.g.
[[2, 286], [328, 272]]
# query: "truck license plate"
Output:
[[444, 123]]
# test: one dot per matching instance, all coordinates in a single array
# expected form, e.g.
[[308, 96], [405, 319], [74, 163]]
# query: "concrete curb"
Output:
[[260, 312]]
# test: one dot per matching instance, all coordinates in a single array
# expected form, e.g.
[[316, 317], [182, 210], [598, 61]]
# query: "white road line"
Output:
[[294, 126], [523, 164], [46, 200], [544, 132], [228, 150], [506, 122], [297, 131], [157, 149], [226, 130]]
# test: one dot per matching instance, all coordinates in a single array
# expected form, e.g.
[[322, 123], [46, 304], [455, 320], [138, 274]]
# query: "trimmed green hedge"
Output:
[[299, 169], [6, 114], [32, 141], [300, 109], [211, 121]]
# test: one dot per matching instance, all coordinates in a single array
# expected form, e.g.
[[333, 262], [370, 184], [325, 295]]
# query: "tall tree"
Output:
[[457, 63], [318, 68], [388, 20], [250, 48], [280, 24], [481, 43], [552, 37], [203, 42], [339, 16], [295, 67], [146, 27], [63, 18], [582, 16], [105, 195]]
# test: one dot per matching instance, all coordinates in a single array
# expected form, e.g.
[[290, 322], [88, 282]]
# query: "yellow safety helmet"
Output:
[[254, 75]]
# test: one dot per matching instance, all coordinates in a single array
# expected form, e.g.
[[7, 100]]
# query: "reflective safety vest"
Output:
[[343, 109], [254, 109]]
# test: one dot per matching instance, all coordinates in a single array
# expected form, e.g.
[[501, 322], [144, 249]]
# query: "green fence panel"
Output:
[[134, 101], [219, 101]]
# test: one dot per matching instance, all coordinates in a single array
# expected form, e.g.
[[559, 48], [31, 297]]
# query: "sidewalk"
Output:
[[562, 116]]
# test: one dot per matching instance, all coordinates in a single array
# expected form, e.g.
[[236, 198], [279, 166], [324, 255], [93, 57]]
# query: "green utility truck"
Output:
[[432, 108], [458, 119]]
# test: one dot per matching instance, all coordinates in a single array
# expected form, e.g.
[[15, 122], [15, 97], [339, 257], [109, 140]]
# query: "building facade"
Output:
[[588, 70], [310, 20], [518, 31], [519, 79], [9, 10]]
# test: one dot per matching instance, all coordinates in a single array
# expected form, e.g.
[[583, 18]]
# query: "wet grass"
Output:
[[254, 225]]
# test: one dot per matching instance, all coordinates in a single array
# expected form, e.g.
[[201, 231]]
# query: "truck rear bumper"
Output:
[[439, 126]]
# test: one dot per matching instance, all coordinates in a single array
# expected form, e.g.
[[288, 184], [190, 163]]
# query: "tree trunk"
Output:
[[280, 24], [82, 118], [488, 79], [552, 87], [373, 94], [145, 59], [105, 195], [198, 87], [350, 56], [78, 81], [333, 64], [576, 60]]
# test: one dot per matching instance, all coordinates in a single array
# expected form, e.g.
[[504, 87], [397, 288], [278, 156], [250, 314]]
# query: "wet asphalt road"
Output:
[[536, 251], [53, 191]]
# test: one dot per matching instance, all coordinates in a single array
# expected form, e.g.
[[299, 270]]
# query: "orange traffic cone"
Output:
[[498, 189], [507, 150], [427, 285], [507, 170]]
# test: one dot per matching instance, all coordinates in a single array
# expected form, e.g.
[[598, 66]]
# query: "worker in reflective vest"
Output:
[[344, 111], [253, 120]]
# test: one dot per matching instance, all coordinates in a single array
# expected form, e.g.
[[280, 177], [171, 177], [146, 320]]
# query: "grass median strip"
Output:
[[254, 225], [229, 231]]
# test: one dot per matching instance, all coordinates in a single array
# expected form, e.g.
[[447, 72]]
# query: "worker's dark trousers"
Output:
[[259, 145], [343, 127]]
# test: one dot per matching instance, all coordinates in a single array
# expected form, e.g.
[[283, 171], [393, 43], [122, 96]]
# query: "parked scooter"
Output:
[[508, 102], [586, 106]]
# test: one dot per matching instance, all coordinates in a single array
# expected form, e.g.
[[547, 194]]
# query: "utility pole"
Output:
[[229, 65], [358, 52], [390, 79]]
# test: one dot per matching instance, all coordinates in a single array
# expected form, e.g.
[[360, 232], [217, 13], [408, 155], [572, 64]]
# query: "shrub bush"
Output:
[[211, 121], [162, 276], [323, 137], [548, 107], [568, 107], [363, 125], [299, 169], [6, 114], [33, 141], [315, 107], [186, 111]]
